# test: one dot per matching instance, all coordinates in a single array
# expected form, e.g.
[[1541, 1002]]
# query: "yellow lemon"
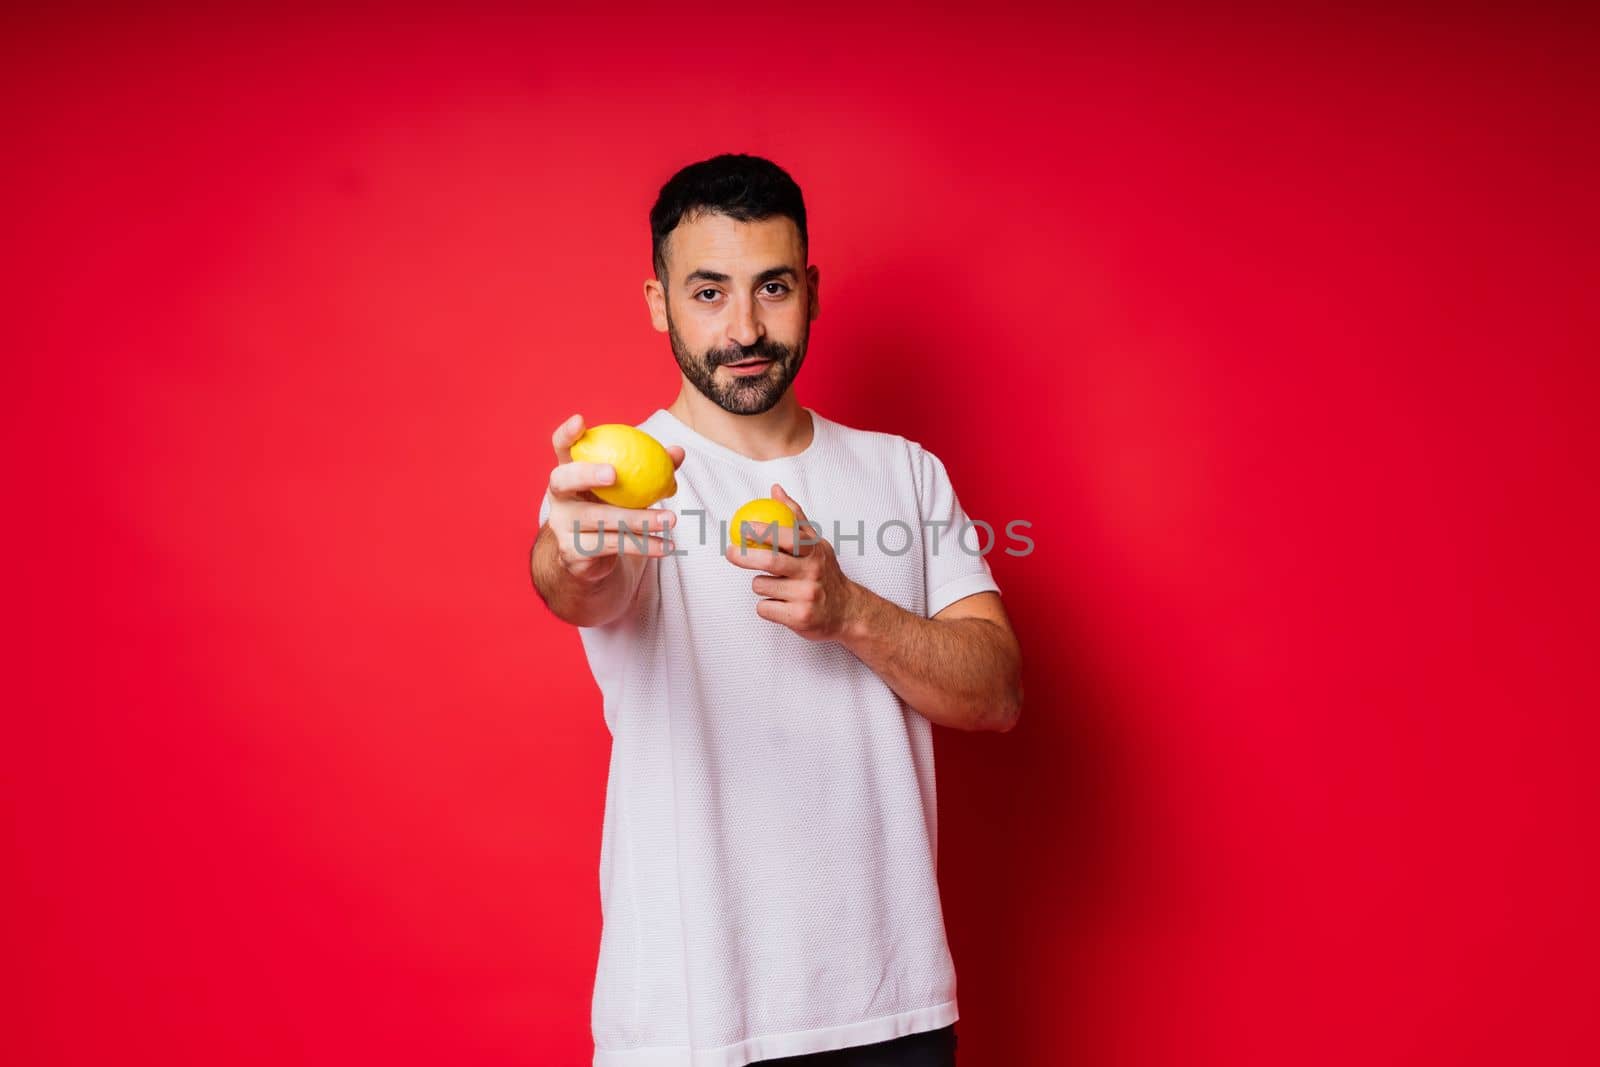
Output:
[[761, 510], [643, 465]]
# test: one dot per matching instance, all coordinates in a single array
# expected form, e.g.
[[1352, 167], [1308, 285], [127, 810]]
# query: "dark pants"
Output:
[[931, 1048]]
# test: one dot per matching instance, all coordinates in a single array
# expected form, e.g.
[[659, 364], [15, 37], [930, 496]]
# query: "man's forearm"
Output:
[[964, 673], [569, 597]]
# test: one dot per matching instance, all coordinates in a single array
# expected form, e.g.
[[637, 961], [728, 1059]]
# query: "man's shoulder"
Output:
[[888, 453], [864, 440]]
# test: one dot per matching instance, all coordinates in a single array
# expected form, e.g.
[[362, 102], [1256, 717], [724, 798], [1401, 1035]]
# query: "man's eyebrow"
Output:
[[703, 275], [775, 272]]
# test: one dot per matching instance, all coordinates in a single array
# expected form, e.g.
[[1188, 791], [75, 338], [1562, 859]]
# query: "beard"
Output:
[[741, 394]]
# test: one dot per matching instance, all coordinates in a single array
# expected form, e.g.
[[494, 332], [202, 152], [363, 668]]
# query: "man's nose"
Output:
[[745, 329]]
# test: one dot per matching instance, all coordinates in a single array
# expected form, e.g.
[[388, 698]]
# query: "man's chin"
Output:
[[748, 401]]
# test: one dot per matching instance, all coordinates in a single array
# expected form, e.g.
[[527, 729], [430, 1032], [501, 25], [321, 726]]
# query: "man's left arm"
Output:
[[961, 668]]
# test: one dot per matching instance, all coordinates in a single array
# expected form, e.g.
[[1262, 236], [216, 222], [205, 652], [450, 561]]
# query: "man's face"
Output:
[[736, 293]]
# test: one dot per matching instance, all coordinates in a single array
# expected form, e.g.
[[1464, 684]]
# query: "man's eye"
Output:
[[782, 288], [703, 292]]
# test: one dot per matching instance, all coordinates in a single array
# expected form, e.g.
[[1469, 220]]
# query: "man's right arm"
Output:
[[581, 601]]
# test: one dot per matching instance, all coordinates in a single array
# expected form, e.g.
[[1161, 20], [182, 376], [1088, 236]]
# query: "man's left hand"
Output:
[[807, 590]]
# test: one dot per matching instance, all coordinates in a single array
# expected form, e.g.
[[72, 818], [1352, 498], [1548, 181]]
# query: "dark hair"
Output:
[[743, 187]]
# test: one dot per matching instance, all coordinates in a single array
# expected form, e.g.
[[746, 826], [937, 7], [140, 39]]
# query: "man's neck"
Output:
[[783, 430]]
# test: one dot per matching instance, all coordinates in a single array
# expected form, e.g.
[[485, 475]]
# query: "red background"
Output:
[[1279, 327]]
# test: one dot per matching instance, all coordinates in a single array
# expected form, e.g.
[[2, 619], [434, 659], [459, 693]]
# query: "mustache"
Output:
[[762, 349]]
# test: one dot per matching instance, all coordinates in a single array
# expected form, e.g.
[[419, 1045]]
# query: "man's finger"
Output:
[[794, 505], [762, 559], [770, 585], [641, 520], [565, 434], [676, 452], [579, 477], [781, 612], [802, 540], [788, 539], [616, 543], [807, 535]]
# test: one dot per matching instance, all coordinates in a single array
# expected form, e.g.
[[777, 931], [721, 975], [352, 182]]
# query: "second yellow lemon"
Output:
[[644, 468], [758, 512]]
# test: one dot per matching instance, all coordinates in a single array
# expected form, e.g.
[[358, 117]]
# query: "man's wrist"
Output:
[[862, 616]]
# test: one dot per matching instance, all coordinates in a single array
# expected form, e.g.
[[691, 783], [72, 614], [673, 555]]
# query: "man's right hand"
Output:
[[577, 515]]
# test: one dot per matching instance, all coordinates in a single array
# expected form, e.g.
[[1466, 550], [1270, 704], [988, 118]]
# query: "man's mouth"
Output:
[[748, 366]]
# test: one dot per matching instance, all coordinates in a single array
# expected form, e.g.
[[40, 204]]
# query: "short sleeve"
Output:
[[954, 563]]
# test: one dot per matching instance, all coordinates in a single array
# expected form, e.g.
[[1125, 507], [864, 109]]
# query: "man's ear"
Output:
[[655, 297], [814, 282]]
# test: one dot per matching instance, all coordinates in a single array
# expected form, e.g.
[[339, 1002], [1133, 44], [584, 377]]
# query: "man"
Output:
[[768, 858]]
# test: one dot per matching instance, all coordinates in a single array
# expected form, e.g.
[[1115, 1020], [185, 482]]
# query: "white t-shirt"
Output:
[[768, 856]]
